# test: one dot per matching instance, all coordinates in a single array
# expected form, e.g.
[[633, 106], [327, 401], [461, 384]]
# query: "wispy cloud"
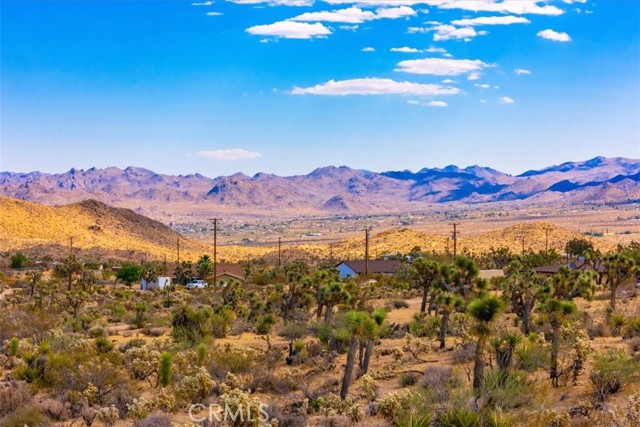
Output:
[[214, 13], [491, 20], [405, 49], [506, 100], [375, 86], [202, 3], [441, 66], [555, 36], [521, 71], [275, 2], [230, 154], [355, 15], [437, 104], [519, 7], [290, 30], [368, 49], [447, 32]]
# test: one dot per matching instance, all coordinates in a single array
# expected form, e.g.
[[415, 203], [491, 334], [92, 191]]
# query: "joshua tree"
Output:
[[524, 288], [378, 317], [447, 303], [424, 274], [620, 269], [484, 311], [34, 277], [204, 267], [565, 285], [68, 269], [360, 326], [332, 295]]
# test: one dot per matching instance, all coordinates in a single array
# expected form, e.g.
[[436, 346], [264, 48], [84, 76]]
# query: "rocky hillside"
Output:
[[95, 228], [329, 189]]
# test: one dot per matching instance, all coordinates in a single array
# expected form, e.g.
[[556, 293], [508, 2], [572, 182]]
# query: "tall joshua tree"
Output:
[[361, 326], [484, 311]]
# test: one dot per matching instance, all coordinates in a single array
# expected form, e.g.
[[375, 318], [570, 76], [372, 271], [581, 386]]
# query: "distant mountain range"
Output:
[[329, 189]]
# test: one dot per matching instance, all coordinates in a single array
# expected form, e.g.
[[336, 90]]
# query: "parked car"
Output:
[[197, 284]]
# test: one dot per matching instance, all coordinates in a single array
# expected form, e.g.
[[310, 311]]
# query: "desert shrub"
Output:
[[408, 379], [264, 324], [13, 395], [510, 391], [458, 417], [398, 303], [156, 419], [221, 321], [634, 345], [369, 387], [551, 418], [633, 327], [611, 371], [617, 322], [395, 405], [287, 420], [237, 401], [423, 325], [108, 415], [237, 362], [96, 332], [103, 344], [141, 362], [25, 416], [195, 387], [116, 312], [54, 409], [497, 418], [438, 382], [141, 315], [190, 326], [531, 357], [330, 405]]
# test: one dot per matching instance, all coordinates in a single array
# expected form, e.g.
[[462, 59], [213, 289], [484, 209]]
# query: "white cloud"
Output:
[[506, 100], [441, 66], [413, 102], [290, 30], [275, 2], [554, 35], [521, 71], [202, 3], [414, 30], [574, 1], [368, 49], [405, 49], [448, 81], [349, 27], [214, 13], [395, 12], [351, 15], [447, 32], [230, 154], [517, 7], [473, 77], [491, 20], [375, 86], [355, 15], [436, 50], [483, 86], [437, 104]]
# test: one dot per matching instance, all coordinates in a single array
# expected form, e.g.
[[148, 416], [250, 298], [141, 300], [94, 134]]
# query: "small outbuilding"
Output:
[[385, 267]]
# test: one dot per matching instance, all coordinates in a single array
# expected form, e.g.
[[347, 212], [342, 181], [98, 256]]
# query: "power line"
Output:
[[215, 246]]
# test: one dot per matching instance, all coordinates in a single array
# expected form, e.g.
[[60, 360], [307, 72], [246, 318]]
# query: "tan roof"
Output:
[[234, 270]]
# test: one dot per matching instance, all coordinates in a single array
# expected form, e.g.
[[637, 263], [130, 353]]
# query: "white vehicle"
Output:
[[197, 284]]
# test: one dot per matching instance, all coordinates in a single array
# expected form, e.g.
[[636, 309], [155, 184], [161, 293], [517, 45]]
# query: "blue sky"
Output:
[[285, 86]]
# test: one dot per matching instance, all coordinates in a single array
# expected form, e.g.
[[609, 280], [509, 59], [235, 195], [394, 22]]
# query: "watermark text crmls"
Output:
[[199, 412]]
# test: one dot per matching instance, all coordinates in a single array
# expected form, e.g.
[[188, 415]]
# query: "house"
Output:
[[348, 269], [161, 283], [580, 264], [227, 272]]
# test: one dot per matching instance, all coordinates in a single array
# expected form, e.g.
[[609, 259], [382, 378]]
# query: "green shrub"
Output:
[[164, 369], [264, 324], [25, 417], [611, 371], [103, 344], [458, 417]]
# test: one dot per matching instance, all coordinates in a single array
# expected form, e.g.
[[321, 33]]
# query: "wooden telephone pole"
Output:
[[366, 251], [215, 247], [454, 236], [178, 249], [279, 251]]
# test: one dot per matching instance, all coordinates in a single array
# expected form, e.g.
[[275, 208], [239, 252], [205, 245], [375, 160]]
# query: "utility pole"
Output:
[[215, 246], [279, 251], [71, 245], [178, 249], [366, 251], [331, 253], [454, 235], [164, 267], [546, 240]]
